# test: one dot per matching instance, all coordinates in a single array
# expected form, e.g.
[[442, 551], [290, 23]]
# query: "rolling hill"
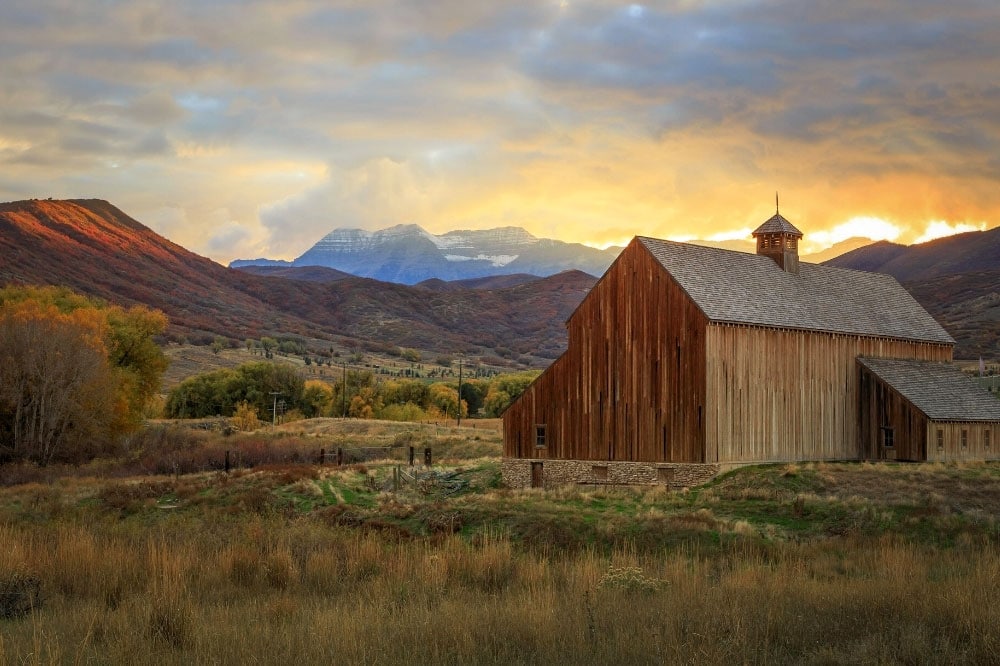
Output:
[[95, 248]]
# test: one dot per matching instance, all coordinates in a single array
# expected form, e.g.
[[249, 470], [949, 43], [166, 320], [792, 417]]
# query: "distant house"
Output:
[[684, 360]]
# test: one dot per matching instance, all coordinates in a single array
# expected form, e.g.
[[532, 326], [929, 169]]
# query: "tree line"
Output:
[[261, 386]]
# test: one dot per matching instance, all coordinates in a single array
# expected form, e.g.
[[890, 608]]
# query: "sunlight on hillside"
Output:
[[862, 226], [940, 228]]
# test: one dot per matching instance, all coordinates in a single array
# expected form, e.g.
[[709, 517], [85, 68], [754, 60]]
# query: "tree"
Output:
[[267, 344], [444, 399], [76, 372], [220, 391], [218, 344], [504, 389], [317, 398], [245, 417]]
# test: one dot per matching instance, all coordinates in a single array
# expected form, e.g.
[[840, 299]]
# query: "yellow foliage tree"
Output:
[[245, 417], [74, 372]]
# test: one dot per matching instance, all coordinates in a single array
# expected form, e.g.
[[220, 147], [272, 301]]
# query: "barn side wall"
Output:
[[784, 395], [631, 385], [881, 407], [951, 448]]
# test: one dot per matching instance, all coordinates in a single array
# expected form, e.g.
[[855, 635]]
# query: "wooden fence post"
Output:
[[340, 456], [411, 456], [227, 461], [322, 456], [427, 456]]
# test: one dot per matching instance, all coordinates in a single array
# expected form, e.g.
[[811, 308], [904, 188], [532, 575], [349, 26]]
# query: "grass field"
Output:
[[811, 563]]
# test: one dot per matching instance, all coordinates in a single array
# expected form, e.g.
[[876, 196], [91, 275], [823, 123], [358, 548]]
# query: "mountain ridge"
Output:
[[93, 247], [408, 254]]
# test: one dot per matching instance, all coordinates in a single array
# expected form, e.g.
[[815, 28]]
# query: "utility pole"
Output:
[[343, 395], [459, 424], [274, 409]]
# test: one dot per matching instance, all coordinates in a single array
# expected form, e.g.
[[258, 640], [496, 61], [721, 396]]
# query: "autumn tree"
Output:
[[504, 389], [74, 372]]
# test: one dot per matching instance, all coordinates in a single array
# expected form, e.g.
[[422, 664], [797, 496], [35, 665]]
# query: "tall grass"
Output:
[[267, 590]]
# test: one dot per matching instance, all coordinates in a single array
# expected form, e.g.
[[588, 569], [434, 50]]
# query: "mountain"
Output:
[[304, 273], [95, 248], [968, 306], [961, 253], [837, 249], [407, 254], [489, 282]]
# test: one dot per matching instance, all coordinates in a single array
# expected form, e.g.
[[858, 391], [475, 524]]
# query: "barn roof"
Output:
[[939, 390], [777, 225], [742, 288]]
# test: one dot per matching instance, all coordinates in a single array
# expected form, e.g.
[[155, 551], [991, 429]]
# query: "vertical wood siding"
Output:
[[952, 439], [631, 385], [880, 406], [776, 395]]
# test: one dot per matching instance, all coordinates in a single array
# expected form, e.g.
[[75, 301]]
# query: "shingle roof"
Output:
[[736, 287], [939, 390], [777, 225]]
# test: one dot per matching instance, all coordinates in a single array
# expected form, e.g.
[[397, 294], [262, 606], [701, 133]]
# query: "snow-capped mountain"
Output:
[[407, 254]]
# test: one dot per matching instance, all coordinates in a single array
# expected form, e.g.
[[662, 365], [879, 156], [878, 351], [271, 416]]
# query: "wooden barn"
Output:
[[683, 360]]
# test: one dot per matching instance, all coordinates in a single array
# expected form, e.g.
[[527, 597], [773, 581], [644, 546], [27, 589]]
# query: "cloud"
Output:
[[585, 120]]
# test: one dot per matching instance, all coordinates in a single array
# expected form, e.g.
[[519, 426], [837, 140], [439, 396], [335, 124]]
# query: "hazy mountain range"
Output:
[[407, 254], [97, 249]]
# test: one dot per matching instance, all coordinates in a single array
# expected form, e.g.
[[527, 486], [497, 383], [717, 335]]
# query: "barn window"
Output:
[[600, 472], [665, 475], [986, 439], [940, 439], [540, 436], [888, 438], [965, 439]]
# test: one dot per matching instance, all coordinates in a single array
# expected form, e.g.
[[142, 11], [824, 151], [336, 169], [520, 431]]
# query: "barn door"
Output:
[[536, 475]]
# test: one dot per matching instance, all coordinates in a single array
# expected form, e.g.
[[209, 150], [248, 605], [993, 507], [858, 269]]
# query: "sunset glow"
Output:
[[253, 130], [940, 229]]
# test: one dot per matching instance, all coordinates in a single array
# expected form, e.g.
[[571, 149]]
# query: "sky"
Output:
[[253, 128]]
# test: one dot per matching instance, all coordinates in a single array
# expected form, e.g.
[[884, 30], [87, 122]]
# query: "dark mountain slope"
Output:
[[962, 253], [303, 273], [489, 282]]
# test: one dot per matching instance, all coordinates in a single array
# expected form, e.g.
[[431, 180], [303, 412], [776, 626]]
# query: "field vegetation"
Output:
[[356, 393], [283, 561]]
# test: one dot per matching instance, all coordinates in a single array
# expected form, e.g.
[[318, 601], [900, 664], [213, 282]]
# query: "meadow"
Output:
[[291, 561]]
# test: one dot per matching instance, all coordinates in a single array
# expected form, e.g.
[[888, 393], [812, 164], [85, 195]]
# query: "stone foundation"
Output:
[[516, 473]]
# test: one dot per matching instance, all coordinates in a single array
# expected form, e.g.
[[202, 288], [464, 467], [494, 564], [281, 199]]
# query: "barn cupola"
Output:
[[779, 239]]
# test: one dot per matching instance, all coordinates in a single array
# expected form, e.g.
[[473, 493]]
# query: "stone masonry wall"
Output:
[[516, 473]]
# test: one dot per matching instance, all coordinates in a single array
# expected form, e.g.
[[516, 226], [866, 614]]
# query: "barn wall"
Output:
[[777, 395], [952, 448], [631, 385], [883, 407]]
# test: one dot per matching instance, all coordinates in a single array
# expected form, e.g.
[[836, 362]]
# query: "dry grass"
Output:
[[817, 564], [278, 592]]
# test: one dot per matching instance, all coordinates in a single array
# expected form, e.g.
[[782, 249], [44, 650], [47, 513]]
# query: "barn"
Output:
[[685, 360]]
